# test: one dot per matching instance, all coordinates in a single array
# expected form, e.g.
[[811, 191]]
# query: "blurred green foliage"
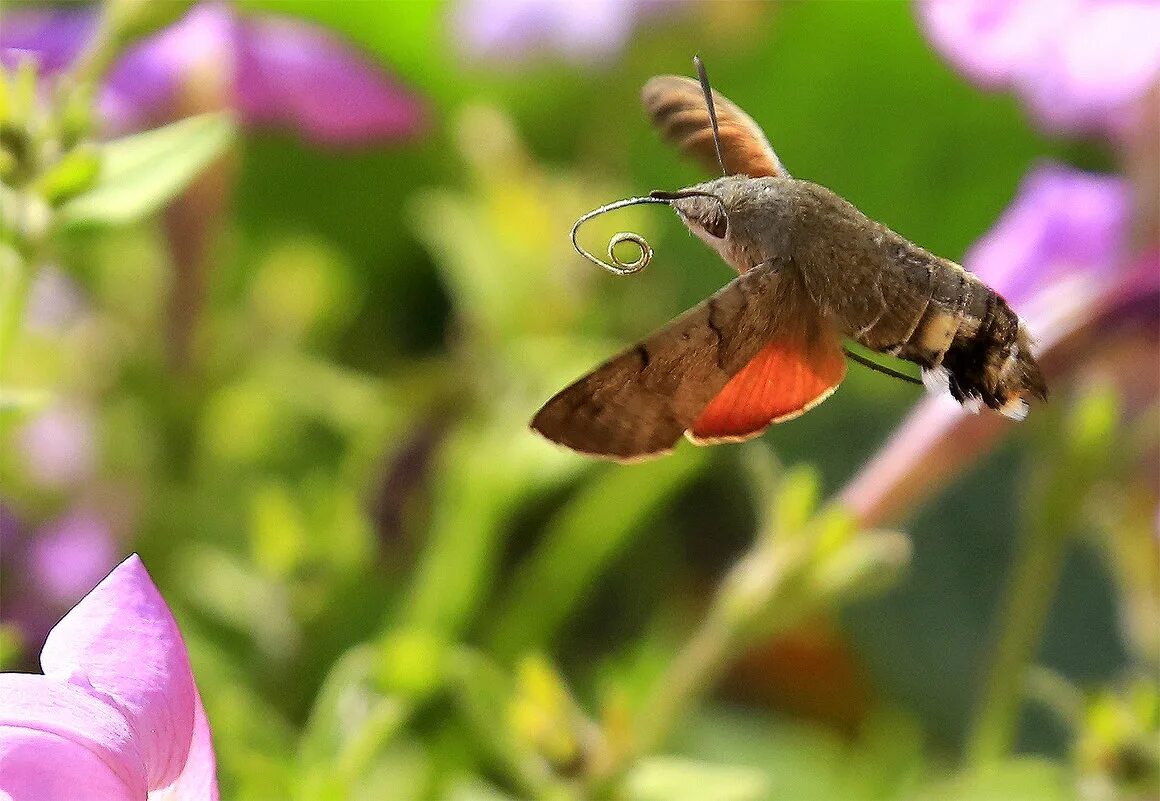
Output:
[[391, 589]]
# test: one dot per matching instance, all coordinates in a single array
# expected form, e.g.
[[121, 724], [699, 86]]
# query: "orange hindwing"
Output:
[[785, 379]]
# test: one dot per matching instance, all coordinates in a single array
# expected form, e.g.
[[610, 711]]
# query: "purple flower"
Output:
[[579, 30], [116, 715], [1078, 64], [1059, 256], [11, 529], [69, 555], [47, 569], [58, 446], [274, 71]]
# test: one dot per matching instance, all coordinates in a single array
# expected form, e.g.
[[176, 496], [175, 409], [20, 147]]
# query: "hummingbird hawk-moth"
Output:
[[768, 346]]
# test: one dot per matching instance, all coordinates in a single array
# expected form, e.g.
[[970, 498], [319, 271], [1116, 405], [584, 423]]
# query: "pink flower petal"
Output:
[[1061, 221], [143, 86], [81, 736], [512, 30], [1080, 65], [294, 74], [51, 37], [144, 81], [1102, 60], [122, 638], [991, 41], [927, 450], [38, 766], [198, 780], [278, 71]]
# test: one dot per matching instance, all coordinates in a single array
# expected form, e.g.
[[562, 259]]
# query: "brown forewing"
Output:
[[639, 403], [677, 108]]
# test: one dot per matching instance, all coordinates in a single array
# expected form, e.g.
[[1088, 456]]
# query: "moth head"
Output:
[[718, 212], [704, 213], [721, 212]]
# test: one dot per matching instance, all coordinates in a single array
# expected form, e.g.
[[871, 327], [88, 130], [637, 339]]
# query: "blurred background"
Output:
[[290, 360]]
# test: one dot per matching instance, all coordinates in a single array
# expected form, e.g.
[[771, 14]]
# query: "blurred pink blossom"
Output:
[[55, 301], [1059, 256], [46, 569], [578, 30], [1079, 65], [116, 715], [275, 71], [58, 446], [11, 530], [69, 555]]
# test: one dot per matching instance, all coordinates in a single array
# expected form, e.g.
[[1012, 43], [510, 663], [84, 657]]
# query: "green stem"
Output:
[[18, 267], [1030, 590], [12, 307], [685, 680], [95, 60], [1070, 458], [762, 581]]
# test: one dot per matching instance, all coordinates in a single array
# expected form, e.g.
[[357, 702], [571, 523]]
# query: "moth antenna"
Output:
[[881, 368], [708, 91], [614, 265]]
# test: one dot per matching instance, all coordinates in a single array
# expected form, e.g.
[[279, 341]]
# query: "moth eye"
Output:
[[717, 226]]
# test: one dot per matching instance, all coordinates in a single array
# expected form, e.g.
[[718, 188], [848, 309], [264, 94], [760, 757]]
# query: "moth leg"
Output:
[[881, 368]]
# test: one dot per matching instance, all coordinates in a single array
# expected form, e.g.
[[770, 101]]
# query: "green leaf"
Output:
[[796, 501], [22, 97], [867, 564], [23, 401], [412, 663], [804, 762], [679, 779], [140, 173], [278, 534], [352, 721], [482, 475], [483, 693], [473, 788], [1023, 779], [580, 543], [887, 761]]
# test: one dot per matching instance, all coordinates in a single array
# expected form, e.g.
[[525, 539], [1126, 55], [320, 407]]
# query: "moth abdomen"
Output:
[[990, 359], [930, 311], [979, 344]]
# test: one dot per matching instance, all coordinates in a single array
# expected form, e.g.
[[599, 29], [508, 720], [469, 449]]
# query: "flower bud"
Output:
[[70, 176], [868, 563], [543, 714]]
